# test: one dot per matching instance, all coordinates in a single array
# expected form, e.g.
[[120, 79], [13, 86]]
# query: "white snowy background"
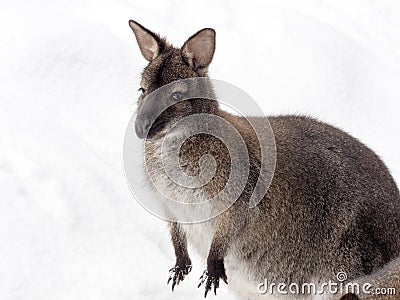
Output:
[[69, 71]]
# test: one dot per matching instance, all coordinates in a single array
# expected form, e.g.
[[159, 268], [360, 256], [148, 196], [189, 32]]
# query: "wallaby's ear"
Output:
[[199, 49], [149, 43]]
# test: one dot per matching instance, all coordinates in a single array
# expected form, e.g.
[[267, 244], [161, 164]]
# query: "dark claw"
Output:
[[211, 281], [202, 278], [177, 274], [216, 285]]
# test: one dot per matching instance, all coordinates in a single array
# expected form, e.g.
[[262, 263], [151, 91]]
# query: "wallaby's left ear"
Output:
[[199, 49], [150, 44]]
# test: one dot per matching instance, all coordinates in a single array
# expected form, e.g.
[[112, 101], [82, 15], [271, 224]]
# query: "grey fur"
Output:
[[332, 205]]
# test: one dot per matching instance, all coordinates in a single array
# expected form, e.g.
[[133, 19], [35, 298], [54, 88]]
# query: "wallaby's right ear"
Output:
[[199, 49], [150, 44]]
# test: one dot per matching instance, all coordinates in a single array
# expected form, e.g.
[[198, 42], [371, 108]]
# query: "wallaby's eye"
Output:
[[176, 96], [142, 90]]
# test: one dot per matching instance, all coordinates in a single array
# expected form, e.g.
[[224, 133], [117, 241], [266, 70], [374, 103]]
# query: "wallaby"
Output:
[[332, 205]]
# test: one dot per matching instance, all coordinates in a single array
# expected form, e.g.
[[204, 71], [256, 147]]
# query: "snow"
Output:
[[69, 71]]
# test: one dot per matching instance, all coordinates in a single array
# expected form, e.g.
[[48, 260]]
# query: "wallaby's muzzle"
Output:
[[149, 118], [141, 127], [144, 121]]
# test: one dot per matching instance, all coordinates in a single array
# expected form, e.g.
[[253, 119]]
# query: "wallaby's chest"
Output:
[[199, 236], [173, 177], [165, 178]]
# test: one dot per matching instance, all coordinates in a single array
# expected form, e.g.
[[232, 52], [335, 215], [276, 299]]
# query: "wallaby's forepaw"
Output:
[[212, 276], [177, 274]]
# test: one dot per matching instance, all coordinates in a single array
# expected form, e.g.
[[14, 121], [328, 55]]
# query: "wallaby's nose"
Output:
[[142, 127]]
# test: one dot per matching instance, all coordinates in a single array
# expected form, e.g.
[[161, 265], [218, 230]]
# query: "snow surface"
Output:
[[69, 71]]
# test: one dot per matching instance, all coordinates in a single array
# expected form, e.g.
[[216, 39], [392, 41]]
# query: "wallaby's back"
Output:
[[332, 202]]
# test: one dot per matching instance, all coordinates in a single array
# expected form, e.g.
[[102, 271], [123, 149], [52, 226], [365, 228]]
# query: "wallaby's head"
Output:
[[166, 65]]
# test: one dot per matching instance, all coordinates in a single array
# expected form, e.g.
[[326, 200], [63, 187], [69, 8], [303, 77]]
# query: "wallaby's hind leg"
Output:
[[183, 264], [228, 225], [350, 296]]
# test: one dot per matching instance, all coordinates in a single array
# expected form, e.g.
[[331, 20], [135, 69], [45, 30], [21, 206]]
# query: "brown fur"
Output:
[[332, 205]]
